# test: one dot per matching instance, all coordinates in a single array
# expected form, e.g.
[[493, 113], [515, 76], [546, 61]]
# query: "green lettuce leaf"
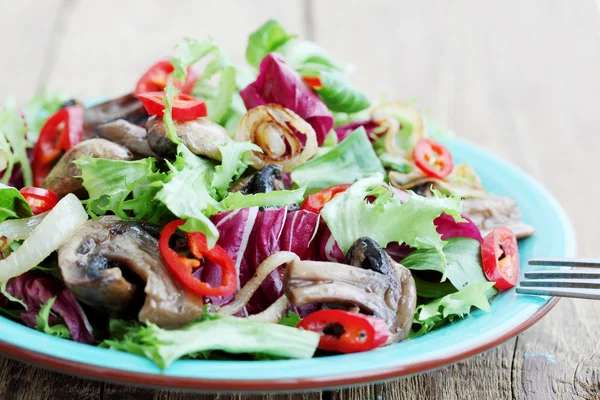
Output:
[[13, 144], [224, 105], [386, 219], [10, 297], [264, 40], [235, 158], [432, 290], [236, 200], [125, 188], [301, 54], [42, 324], [170, 92], [338, 93], [463, 262], [349, 161], [190, 52], [215, 332], [12, 204], [187, 194], [290, 319], [450, 307], [37, 111]]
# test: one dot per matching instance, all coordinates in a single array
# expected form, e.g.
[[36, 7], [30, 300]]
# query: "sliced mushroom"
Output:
[[63, 178], [373, 282], [127, 134], [126, 107], [462, 182], [98, 261], [202, 136], [495, 211]]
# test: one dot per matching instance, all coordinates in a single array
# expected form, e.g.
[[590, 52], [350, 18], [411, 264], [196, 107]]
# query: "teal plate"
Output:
[[510, 314]]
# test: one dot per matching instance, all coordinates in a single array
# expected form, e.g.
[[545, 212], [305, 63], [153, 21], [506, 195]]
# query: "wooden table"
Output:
[[521, 78]]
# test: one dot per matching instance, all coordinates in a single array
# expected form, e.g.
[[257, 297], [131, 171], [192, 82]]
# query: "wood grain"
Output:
[[521, 78], [26, 35]]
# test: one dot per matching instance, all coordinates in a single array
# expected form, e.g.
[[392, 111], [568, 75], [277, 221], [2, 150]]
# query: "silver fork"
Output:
[[581, 281]]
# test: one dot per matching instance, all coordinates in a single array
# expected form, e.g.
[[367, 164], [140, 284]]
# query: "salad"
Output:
[[260, 212]]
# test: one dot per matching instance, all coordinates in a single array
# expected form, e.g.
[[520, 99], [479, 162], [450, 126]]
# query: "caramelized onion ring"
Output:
[[273, 313], [391, 115], [264, 269], [275, 130]]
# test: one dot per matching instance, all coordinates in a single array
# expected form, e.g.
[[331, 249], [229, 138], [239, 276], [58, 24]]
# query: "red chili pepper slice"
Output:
[[61, 132], [433, 158], [159, 76], [346, 332], [314, 82], [500, 257], [182, 267], [316, 201], [39, 200], [184, 107]]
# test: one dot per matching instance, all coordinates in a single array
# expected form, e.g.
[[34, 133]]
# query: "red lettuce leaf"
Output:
[[279, 83], [235, 228], [327, 247], [343, 131], [449, 228], [36, 289]]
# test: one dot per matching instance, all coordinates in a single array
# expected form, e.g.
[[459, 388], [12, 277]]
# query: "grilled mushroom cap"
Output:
[[126, 107], [373, 282], [127, 134], [201, 136], [493, 212], [97, 260], [63, 180]]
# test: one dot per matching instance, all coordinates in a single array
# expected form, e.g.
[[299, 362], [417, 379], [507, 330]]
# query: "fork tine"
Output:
[[556, 283], [592, 294], [567, 262], [564, 274]]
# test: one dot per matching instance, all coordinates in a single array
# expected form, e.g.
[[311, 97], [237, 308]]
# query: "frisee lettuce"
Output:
[[13, 144], [10, 297], [215, 332], [347, 162], [235, 158], [37, 111], [236, 200], [170, 92], [222, 97], [125, 188], [349, 216], [42, 323], [187, 195], [450, 307]]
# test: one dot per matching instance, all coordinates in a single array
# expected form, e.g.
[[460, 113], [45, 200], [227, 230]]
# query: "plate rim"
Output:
[[90, 371], [95, 372]]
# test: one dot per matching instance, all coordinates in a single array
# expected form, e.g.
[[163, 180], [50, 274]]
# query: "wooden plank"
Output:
[[25, 34], [23, 382], [523, 81], [103, 52]]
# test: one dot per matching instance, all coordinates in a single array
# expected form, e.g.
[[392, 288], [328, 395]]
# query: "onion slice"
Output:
[[264, 269], [278, 132], [274, 313], [60, 223], [398, 139], [19, 229]]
